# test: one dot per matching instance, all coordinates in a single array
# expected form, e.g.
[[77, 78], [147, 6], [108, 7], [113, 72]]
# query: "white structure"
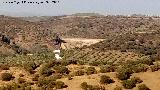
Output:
[[56, 51], [57, 54], [57, 57]]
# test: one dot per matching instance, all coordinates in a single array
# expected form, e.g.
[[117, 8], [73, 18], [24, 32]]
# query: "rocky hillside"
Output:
[[37, 35]]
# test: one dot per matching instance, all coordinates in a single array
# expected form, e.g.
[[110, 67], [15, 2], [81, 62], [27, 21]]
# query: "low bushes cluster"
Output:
[[131, 83], [106, 80], [137, 80], [124, 73], [30, 66], [61, 69], [6, 76], [45, 70], [155, 67], [79, 73], [107, 68], [85, 86], [143, 87], [140, 68], [50, 82], [91, 70]]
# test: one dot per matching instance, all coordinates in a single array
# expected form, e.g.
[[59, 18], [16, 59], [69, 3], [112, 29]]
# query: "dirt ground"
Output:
[[79, 42], [151, 79]]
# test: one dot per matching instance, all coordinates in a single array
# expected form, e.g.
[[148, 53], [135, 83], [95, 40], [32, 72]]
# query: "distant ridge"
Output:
[[87, 14]]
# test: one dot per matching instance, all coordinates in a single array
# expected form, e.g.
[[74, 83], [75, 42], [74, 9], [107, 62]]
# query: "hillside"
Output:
[[41, 30], [101, 53]]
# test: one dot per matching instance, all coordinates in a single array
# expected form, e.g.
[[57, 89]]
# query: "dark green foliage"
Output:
[[57, 76], [45, 70], [105, 69], [140, 68], [85, 86], [81, 62], [155, 67], [79, 73], [95, 63], [51, 63], [147, 61], [124, 73], [19, 50], [106, 80], [29, 66], [6, 76], [137, 80], [129, 84], [146, 43], [65, 62], [45, 82], [62, 69], [91, 70], [143, 87]]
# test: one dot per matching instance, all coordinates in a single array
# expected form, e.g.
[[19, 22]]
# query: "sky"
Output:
[[67, 7]]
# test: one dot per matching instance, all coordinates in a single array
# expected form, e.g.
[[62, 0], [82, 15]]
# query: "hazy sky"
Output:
[[124, 7]]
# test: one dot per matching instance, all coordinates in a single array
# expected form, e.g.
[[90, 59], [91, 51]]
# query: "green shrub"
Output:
[[143, 87], [65, 62], [6, 76], [95, 63], [81, 62], [62, 70], [91, 70], [73, 61], [105, 69], [79, 73], [123, 75], [129, 84], [117, 88], [60, 84], [45, 70], [29, 66], [85, 86], [57, 76], [140, 68], [105, 80], [146, 60], [46, 81], [137, 80], [155, 67], [51, 63]]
